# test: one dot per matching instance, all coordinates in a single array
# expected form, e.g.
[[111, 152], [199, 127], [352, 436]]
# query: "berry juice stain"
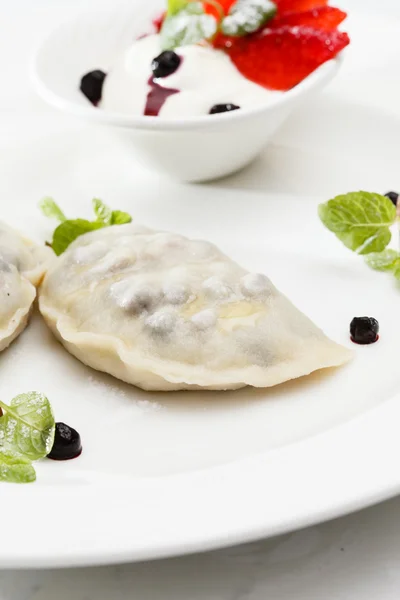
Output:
[[156, 98]]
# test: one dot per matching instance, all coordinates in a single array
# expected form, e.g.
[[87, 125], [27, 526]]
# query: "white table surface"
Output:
[[352, 558]]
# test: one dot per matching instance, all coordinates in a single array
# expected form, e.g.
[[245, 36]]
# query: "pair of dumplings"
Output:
[[162, 312]]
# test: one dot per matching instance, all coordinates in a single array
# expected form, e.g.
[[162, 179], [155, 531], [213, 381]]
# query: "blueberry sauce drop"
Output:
[[156, 98]]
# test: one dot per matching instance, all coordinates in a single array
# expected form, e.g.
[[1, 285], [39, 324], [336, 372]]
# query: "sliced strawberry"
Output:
[[158, 21], [210, 8], [281, 58], [222, 42], [289, 6], [327, 18]]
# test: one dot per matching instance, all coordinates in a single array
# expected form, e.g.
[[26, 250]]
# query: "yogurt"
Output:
[[205, 77]]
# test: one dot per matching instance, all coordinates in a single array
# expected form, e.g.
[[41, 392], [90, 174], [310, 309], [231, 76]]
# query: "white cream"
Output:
[[204, 78]]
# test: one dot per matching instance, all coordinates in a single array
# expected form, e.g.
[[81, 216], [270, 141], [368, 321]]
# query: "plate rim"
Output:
[[221, 491]]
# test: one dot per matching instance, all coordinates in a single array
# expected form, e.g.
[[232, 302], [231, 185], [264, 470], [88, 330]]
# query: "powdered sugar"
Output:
[[247, 16], [205, 319], [255, 284]]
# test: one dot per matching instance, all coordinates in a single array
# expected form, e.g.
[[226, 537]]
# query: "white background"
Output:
[[351, 558]]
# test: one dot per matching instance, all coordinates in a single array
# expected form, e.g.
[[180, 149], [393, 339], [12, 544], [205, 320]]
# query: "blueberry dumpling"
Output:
[[22, 267], [164, 312]]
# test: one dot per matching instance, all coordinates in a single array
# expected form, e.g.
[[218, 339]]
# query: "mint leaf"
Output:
[[68, 231], [27, 426], [190, 25], [50, 209], [383, 261], [175, 6], [361, 220], [15, 468], [118, 217], [102, 212], [396, 269], [246, 16]]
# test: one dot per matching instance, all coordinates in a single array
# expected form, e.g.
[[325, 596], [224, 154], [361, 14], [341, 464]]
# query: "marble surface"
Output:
[[351, 558]]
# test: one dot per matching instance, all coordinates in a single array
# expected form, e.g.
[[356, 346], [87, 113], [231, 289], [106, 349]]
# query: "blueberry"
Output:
[[393, 196], [67, 443], [92, 84], [165, 63], [364, 330], [221, 108]]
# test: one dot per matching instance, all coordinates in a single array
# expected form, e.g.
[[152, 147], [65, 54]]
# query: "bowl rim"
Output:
[[315, 81]]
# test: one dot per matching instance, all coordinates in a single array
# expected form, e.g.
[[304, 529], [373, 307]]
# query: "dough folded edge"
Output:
[[103, 353]]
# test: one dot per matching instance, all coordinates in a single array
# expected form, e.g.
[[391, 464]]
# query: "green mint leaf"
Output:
[[361, 220], [383, 261], [246, 16], [118, 217], [27, 426], [68, 231], [388, 260], [50, 209], [175, 6], [15, 468], [102, 211], [190, 25], [396, 269]]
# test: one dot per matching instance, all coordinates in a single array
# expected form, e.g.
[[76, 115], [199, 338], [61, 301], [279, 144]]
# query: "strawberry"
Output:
[[324, 17], [289, 6], [281, 58], [158, 21], [222, 42], [225, 5]]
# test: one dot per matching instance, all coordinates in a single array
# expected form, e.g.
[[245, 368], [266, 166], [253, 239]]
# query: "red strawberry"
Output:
[[158, 21], [324, 17], [210, 8], [281, 58], [289, 6]]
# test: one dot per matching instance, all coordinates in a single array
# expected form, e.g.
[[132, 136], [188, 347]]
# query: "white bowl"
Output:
[[189, 149]]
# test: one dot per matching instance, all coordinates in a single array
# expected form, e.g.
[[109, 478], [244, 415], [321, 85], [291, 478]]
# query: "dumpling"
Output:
[[22, 267], [164, 312]]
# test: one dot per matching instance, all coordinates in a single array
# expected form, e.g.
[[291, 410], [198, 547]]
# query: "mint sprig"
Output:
[[27, 429], [247, 16], [51, 209], [387, 260], [362, 221], [70, 229], [189, 25], [102, 211], [187, 22], [174, 6], [119, 217], [15, 468], [28, 425]]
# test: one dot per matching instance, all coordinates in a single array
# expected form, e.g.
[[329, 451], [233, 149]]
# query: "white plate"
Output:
[[165, 474]]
